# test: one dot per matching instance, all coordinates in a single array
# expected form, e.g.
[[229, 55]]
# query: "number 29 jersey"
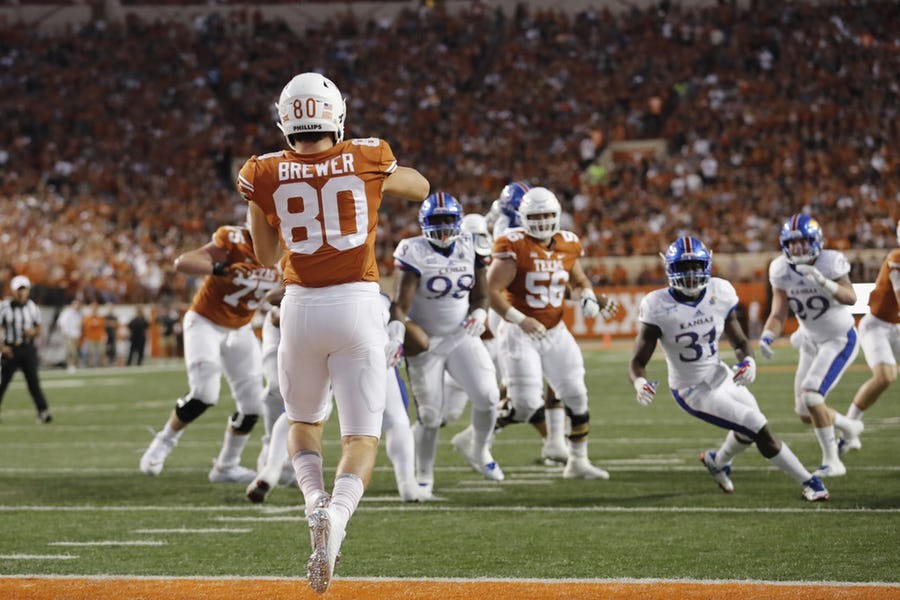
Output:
[[542, 273], [691, 332], [326, 207], [821, 318], [442, 298], [231, 301]]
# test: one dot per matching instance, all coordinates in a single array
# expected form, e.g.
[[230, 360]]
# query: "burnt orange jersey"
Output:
[[326, 207], [883, 301], [231, 301], [542, 273]]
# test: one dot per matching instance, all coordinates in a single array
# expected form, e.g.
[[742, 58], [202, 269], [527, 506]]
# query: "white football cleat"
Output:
[[814, 490], [409, 491], [850, 437], [327, 535], [426, 491], [554, 454], [722, 475], [155, 456], [581, 468], [485, 464], [834, 469], [257, 490], [231, 474]]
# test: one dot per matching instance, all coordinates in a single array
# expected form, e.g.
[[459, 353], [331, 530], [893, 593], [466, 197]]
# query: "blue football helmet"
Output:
[[805, 228], [511, 198], [688, 265], [440, 218]]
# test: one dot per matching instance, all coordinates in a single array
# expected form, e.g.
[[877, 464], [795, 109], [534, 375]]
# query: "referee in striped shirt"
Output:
[[20, 320]]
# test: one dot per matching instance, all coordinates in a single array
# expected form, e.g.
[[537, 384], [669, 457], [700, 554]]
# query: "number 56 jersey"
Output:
[[820, 317], [441, 302], [691, 332], [326, 207]]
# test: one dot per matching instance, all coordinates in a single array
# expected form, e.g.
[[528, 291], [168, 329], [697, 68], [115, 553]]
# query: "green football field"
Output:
[[72, 501]]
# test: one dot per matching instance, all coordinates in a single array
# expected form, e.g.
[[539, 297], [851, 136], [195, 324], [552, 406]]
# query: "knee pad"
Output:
[[428, 416], [581, 425], [188, 410], [811, 398], [242, 423]]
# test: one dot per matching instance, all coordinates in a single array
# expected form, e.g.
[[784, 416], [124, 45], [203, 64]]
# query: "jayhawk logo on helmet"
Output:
[[688, 265], [802, 228]]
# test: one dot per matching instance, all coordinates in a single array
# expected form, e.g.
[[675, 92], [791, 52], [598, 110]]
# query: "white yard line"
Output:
[[112, 543], [37, 556], [186, 530]]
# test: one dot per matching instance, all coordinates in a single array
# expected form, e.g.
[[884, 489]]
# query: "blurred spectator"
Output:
[[137, 330], [762, 109], [69, 325], [111, 328], [94, 332], [169, 329]]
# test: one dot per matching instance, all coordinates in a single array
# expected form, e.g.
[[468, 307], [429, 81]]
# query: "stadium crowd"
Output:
[[118, 140]]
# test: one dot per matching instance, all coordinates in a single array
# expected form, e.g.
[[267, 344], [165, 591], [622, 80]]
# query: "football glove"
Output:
[[816, 276], [765, 344], [590, 307], [474, 323], [744, 371], [646, 390], [609, 309], [394, 348]]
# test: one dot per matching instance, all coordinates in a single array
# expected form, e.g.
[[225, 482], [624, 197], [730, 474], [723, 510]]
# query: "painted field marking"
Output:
[[37, 556], [112, 543], [186, 530]]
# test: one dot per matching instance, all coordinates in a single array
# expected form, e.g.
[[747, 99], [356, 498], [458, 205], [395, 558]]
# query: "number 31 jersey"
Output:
[[326, 207], [231, 301], [442, 298], [542, 273], [691, 332], [820, 317]]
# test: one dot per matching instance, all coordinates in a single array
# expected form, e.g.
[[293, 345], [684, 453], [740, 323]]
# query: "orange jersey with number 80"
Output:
[[326, 207], [542, 274], [231, 301]]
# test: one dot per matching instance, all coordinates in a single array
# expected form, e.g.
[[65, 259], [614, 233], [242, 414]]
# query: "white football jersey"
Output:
[[820, 317], [442, 298], [691, 332]]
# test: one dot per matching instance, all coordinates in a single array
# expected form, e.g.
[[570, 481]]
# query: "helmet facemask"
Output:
[[688, 265], [441, 219]]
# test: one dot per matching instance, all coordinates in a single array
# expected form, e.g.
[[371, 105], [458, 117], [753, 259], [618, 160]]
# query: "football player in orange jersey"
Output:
[[319, 201], [527, 280], [218, 338], [879, 336]]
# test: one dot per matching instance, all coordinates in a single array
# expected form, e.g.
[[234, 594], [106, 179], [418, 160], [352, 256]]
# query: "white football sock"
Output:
[[730, 448], [854, 413], [827, 443], [308, 470], [347, 492], [232, 448], [788, 462]]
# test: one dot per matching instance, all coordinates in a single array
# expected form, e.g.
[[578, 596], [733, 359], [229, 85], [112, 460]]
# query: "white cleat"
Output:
[[327, 535], [426, 491], [231, 474], [554, 455], [155, 456], [722, 475], [409, 491], [485, 465], [257, 490], [850, 440], [835, 469], [581, 468]]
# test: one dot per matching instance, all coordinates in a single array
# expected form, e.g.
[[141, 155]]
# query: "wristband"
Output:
[[767, 335], [218, 269], [831, 287], [514, 315]]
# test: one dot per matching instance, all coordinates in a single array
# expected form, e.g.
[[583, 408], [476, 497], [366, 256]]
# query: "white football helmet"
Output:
[[539, 213], [311, 102], [477, 225]]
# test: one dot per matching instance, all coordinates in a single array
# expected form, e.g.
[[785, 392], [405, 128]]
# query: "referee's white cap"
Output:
[[18, 282]]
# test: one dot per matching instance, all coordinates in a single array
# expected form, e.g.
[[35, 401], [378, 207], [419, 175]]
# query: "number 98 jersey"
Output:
[[821, 317], [442, 298], [691, 332]]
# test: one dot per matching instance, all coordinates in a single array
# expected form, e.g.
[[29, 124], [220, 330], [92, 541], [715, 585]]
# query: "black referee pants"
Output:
[[24, 357]]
